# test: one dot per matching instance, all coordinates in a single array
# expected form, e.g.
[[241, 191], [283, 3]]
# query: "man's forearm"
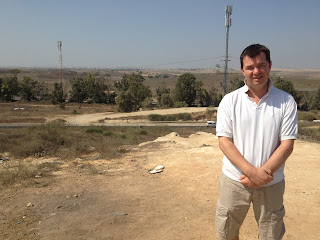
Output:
[[258, 176], [280, 155], [232, 153]]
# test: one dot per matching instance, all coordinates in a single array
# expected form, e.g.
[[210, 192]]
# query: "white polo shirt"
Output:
[[256, 129]]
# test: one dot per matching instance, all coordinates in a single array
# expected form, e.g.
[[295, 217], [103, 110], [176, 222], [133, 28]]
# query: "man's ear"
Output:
[[242, 70]]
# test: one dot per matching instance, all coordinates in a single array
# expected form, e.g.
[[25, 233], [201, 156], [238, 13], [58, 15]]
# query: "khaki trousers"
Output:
[[234, 203]]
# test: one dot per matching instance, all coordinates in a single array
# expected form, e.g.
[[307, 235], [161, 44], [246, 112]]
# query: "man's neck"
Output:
[[257, 94]]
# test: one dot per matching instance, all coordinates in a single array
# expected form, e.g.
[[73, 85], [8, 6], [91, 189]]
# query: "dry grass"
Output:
[[26, 112], [57, 140], [18, 171], [309, 131]]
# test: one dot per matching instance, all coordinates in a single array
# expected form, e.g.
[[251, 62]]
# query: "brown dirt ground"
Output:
[[119, 198]]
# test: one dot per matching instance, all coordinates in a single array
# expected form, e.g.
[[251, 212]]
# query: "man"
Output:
[[256, 125]]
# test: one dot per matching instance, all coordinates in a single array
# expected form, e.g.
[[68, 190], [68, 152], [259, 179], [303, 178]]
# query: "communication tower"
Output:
[[60, 62], [227, 25]]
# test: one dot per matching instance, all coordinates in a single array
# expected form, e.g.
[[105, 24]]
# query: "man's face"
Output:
[[256, 71]]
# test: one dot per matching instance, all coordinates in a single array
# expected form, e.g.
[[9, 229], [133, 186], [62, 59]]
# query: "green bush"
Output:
[[108, 133], [184, 116], [170, 117], [155, 117], [94, 130], [180, 104], [143, 132]]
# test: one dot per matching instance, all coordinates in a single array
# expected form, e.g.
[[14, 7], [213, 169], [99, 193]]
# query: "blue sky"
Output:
[[156, 33]]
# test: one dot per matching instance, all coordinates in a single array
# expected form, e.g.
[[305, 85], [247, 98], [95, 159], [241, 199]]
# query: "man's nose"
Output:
[[256, 70]]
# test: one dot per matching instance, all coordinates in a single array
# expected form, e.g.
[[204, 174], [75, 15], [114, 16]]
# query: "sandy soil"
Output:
[[122, 200], [98, 117]]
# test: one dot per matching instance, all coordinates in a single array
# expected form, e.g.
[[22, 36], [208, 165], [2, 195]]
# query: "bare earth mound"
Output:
[[122, 200]]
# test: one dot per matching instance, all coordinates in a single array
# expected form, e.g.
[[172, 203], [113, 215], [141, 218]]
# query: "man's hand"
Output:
[[247, 182], [257, 177]]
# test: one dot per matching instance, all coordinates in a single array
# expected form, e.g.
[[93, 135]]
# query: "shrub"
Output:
[[108, 133], [184, 116], [94, 130], [18, 171], [180, 104], [143, 132], [155, 117], [170, 117]]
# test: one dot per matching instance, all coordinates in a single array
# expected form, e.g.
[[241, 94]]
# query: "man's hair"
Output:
[[253, 51]]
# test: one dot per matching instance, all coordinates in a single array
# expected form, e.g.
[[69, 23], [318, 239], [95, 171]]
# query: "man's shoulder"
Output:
[[280, 93], [234, 94]]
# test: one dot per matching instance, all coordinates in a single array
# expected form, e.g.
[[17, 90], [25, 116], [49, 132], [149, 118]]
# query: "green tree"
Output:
[[205, 98], [57, 95], [164, 98], [316, 100], [91, 90], [124, 101], [215, 96], [78, 91], [42, 92], [186, 89], [15, 72], [235, 84], [28, 89], [287, 86], [9, 88], [132, 87], [95, 90]]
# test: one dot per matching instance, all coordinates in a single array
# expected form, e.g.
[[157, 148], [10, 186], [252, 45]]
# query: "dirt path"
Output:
[[95, 117], [121, 200]]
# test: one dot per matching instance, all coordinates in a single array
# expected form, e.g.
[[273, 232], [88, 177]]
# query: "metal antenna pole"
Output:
[[60, 62], [228, 25]]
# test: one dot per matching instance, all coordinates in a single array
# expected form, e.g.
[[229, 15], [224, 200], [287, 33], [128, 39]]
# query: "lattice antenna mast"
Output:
[[226, 60], [60, 62]]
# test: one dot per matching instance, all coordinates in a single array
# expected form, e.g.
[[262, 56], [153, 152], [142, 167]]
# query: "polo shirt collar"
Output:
[[245, 88]]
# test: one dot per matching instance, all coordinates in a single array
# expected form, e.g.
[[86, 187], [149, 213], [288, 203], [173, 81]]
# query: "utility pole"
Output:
[[60, 62], [228, 25]]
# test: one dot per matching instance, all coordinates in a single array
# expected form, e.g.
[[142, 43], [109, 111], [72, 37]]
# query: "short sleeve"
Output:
[[224, 118], [289, 126]]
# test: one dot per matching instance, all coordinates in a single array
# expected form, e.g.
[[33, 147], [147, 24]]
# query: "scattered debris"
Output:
[[4, 159], [206, 145], [30, 204], [96, 157], [40, 154], [18, 108], [39, 175], [92, 149], [118, 214], [157, 169]]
